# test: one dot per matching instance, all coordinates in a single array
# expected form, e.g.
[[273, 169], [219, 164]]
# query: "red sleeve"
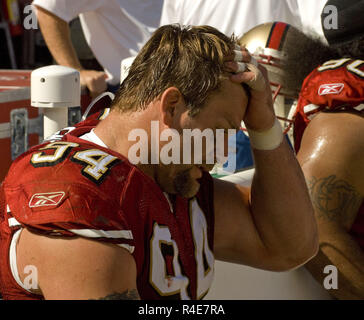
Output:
[[335, 85], [60, 200], [70, 210]]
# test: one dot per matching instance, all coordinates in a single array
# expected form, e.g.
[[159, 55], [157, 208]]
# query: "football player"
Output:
[[329, 131], [80, 221]]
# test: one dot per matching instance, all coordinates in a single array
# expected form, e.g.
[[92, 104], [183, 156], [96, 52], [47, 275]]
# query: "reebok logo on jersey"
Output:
[[46, 199], [332, 88]]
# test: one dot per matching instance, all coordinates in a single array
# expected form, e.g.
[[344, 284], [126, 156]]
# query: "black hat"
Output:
[[350, 21]]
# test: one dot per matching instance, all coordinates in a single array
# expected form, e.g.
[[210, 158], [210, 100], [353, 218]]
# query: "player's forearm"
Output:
[[56, 34], [348, 259], [281, 206]]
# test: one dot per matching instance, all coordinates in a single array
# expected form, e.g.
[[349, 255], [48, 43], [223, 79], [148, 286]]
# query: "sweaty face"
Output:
[[225, 110]]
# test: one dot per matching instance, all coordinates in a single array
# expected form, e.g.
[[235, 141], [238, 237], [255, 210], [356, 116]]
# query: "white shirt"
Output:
[[310, 15], [92, 137], [239, 16], [114, 29]]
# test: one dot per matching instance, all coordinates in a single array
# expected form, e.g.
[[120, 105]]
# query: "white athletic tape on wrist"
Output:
[[238, 55], [254, 62], [241, 67], [267, 140]]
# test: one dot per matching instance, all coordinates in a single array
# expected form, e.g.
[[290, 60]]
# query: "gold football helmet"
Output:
[[265, 43]]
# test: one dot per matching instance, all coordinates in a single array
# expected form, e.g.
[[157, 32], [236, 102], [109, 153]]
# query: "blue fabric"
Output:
[[244, 156], [112, 87]]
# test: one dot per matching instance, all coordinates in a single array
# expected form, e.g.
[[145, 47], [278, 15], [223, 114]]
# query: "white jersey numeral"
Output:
[[61, 150], [163, 283], [203, 254], [333, 64], [352, 67], [166, 284], [97, 162]]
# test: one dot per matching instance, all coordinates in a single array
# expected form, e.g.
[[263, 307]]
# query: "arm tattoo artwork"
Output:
[[334, 198], [126, 295]]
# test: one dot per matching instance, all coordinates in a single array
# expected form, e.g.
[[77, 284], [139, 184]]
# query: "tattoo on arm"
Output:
[[126, 295], [333, 198]]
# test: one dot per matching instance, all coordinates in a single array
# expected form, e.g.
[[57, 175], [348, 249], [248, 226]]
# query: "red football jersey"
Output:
[[335, 85], [71, 187]]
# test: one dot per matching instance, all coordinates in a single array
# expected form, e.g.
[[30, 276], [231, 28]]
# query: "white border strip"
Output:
[[127, 247], [112, 234], [13, 260], [13, 222]]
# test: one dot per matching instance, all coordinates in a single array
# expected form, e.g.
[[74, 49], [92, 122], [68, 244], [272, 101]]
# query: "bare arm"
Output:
[[271, 226], [335, 180], [78, 269], [275, 230], [56, 33]]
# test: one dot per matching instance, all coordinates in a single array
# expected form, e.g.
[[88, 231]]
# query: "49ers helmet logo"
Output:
[[331, 88], [46, 199]]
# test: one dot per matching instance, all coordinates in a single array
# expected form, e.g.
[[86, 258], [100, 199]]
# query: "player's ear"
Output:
[[171, 100]]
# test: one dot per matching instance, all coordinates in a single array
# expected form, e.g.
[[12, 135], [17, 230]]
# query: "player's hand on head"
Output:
[[95, 81], [259, 115]]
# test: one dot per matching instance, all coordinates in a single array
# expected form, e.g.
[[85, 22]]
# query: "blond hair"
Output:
[[188, 58]]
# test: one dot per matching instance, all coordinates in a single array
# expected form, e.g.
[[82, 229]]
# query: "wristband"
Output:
[[267, 140], [254, 62], [238, 55], [241, 67]]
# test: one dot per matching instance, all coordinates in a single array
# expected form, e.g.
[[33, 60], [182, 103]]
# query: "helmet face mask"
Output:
[[265, 43], [267, 56]]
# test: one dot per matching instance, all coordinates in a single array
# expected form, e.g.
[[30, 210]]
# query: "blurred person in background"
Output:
[[236, 16], [114, 30]]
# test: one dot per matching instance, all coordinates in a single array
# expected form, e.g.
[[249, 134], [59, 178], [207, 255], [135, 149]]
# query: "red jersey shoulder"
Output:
[[71, 160], [335, 85], [69, 182]]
